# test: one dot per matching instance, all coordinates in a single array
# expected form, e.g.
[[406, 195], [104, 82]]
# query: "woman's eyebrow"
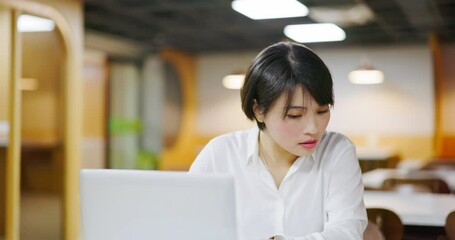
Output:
[[296, 107], [302, 107]]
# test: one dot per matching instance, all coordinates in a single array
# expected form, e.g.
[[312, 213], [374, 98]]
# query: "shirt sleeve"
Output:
[[345, 209]]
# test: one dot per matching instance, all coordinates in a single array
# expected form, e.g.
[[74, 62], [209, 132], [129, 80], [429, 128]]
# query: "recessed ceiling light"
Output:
[[319, 32], [366, 76], [268, 9], [29, 23], [233, 81]]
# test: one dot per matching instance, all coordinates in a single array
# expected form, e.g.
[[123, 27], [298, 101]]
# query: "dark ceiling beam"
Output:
[[389, 28], [113, 9], [424, 15], [211, 25], [163, 7]]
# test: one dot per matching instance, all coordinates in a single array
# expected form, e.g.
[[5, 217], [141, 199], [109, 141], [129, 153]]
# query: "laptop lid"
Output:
[[137, 204]]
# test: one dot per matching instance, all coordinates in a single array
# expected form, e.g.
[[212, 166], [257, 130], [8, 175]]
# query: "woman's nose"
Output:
[[310, 125]]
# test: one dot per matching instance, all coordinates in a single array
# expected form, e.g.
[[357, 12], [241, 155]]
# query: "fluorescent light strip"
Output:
[[319, 32], [268, 9], [29, 23]]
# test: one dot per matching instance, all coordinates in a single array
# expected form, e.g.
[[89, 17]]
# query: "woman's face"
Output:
[[302, 128]]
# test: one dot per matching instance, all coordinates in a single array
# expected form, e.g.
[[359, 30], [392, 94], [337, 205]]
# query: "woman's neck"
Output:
[[273, 153]]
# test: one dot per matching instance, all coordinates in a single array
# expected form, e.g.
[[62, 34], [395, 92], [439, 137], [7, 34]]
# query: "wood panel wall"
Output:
[[446, 96], [43, 59], [444, 75]]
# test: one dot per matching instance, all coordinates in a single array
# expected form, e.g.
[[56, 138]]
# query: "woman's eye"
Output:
[[293, 116], [323, 111]]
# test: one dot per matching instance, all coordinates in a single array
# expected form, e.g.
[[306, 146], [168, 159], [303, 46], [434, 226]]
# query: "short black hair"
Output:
[[280, 68]]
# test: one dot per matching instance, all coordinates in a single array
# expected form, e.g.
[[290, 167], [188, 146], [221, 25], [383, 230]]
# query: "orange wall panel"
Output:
[[445, 94]]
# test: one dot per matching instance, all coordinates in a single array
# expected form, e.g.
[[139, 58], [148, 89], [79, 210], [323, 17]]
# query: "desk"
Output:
[[422, 209], [373, 158], [374, 178]]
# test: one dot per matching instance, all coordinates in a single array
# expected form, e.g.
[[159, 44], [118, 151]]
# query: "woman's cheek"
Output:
[[289, 129]]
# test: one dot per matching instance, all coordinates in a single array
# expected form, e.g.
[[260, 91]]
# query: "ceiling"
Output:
[[211, 25]]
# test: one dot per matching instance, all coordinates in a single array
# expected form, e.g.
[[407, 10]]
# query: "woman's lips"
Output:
[[309, 144]]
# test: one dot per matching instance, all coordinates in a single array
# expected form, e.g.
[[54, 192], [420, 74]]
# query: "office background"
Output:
[[102, 100]]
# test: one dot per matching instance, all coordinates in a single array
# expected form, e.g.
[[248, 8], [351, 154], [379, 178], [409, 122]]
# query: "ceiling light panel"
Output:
[[319, 32], [269, 9]]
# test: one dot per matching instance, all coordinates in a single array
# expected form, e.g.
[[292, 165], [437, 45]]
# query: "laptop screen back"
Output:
[[135, 204]]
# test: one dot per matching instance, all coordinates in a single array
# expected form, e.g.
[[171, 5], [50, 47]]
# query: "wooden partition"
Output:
[[12, 165], [5, 68], [68, 18], [182, 153], [42, 118]]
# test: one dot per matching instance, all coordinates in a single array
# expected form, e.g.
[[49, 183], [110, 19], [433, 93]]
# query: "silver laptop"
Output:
[[136, 204]]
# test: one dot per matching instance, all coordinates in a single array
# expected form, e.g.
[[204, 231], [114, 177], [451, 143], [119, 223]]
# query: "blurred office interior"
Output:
[[137, 84]]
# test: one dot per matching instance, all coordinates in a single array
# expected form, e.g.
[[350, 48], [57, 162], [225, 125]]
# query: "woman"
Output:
[[293, 179]]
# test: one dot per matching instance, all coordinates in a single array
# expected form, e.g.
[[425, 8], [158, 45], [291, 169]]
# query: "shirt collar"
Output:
[[252, 145]]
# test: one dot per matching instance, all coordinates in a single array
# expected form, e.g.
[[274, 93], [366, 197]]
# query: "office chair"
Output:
[[432, 185], [372, 232], [450, 226], [388, 222], [440, 164]]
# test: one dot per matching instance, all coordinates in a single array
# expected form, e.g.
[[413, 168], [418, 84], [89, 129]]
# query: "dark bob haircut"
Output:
[[281, 68]]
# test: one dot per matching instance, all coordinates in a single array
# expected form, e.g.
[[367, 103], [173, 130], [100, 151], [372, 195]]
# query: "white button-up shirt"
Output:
[[321, 196]]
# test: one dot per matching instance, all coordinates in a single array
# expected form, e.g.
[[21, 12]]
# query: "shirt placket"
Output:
[[278, 211], [264, 175], [279, 203], [285, 189], [279, 214]]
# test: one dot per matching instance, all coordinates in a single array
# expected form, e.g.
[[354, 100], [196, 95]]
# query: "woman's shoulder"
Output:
[[336, 141], [241, 137], [226, 149], [336, 147]]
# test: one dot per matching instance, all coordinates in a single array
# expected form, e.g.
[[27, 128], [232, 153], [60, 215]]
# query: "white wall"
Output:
[[403, 104], [219, 109]]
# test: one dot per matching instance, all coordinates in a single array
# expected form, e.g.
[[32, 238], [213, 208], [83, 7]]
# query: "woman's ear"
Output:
[[258, 114]]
